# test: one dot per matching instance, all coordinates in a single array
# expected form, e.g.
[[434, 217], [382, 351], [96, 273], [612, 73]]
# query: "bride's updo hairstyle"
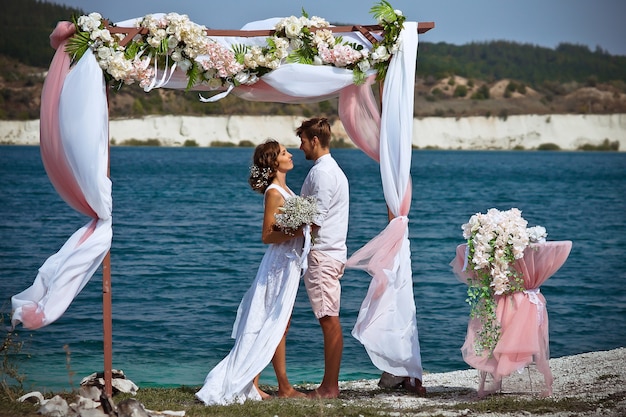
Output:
[[264, 164]]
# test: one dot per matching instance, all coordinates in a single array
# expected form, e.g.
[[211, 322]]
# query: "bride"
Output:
[[263, 315]]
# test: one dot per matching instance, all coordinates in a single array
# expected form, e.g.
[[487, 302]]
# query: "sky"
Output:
[[538, 22]]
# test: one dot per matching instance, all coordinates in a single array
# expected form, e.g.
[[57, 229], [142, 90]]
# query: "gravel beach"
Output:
[[591, 378]]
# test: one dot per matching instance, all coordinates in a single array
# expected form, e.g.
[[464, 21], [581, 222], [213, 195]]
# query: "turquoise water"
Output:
[[187, 244]]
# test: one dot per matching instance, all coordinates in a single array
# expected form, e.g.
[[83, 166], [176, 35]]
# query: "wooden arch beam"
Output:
[[366, 30]]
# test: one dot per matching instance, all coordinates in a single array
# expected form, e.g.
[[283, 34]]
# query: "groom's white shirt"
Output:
[[329, 184]]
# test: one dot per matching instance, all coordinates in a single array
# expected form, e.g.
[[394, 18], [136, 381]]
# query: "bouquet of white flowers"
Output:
[[296, 212]]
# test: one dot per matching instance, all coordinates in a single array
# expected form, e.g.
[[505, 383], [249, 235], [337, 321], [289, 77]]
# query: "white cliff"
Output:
[[525, 131]]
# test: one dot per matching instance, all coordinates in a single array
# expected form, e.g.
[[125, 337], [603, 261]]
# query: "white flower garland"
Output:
[[173, 41]]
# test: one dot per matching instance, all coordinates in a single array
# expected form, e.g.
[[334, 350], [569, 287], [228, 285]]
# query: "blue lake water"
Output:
[[187, 244]]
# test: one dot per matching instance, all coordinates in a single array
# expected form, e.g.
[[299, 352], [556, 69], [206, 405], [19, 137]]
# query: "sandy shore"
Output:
[[592, 378]]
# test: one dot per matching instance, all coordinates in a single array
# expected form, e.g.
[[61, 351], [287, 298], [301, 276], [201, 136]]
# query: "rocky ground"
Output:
[[594, 384], [585, 385]]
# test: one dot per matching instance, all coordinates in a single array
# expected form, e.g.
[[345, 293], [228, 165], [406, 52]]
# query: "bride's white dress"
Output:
[[261, 321]]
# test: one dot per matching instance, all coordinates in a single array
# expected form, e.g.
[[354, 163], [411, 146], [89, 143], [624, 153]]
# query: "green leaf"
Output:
[[297, 57], [77, 45], [163, 49], [193, 74], [131, 51], [240, 51], [358, 76], [383, 11]]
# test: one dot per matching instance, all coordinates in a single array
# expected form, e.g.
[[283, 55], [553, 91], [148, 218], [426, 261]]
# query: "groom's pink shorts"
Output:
[[322, 283]]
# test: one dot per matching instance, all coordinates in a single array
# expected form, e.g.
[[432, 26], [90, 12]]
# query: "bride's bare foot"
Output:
[[264, 395], [291, 393]]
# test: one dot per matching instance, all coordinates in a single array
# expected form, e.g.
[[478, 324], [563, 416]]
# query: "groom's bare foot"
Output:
[[323, 393], [414, 385], [291, 393]]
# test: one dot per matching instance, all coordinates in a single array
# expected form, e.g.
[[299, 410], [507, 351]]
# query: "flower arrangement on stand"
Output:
[[495, 240], [172, 41]]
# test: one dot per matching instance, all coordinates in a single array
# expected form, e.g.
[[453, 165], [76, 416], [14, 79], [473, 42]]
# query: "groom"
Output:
[[326, 261]]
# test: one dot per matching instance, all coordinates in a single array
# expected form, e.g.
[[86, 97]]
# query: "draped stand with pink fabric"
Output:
[[523, 318], [75, 151]]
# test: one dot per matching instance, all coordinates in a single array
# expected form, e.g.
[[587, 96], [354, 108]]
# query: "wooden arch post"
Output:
[[107, 319]]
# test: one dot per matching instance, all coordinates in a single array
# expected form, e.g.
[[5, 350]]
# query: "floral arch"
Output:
[[289, 60]]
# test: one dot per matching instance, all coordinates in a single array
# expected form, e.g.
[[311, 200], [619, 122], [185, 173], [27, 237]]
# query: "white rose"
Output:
[[95, 34], [317, 60], [104, 52], [105, 35], [293, 29], [380, 54], [177, 56], [184, 65], [242, 77], [172, 42], [537, 234], [154, 42], [364, 65]]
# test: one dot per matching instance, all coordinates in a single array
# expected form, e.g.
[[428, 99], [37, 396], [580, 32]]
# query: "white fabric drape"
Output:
[[82, 128], [387, 325]]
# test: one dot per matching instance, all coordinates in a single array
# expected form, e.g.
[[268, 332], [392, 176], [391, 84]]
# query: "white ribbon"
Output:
[[302, 259], [465, 260], [165, 78], [534, 298], [217, 96]]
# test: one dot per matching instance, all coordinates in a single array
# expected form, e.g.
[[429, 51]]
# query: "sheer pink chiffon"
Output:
[[76, 172], [523, 318], [360, 116], [51, 146]]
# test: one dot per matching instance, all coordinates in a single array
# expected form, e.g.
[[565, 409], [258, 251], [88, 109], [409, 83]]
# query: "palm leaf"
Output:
[[296, 57], [77, 45], [383, 11], [240, 51]]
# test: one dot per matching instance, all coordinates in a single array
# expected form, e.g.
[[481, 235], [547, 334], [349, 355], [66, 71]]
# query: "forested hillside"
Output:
[[492, 78]]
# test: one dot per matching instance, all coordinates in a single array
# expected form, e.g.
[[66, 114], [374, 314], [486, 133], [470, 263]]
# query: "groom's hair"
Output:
[[317, 126]]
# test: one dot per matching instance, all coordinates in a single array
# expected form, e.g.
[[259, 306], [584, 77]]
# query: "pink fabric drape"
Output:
[[73, 149], [360, 116], [51, 147], [522, 315]]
